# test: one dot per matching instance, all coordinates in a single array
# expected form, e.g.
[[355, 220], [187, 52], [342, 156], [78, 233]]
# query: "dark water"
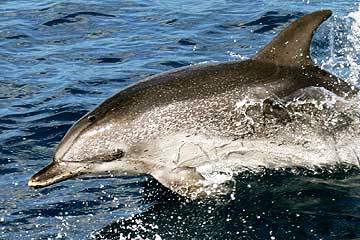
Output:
[[59, 60]]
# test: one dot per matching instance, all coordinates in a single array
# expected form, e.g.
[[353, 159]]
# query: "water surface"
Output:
[[60, 59]]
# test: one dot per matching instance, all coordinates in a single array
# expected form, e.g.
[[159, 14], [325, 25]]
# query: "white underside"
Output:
[[218, 157]]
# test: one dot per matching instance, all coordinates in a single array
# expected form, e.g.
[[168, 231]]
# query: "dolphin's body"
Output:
[[275, 110]]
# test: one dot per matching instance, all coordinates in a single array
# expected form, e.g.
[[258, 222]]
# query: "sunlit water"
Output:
[[59, 60]]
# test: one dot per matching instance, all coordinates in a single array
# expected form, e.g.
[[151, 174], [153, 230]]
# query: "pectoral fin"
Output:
[[187, 182]]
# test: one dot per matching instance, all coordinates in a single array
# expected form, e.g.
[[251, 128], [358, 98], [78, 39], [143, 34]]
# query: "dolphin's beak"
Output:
[[51, 174]]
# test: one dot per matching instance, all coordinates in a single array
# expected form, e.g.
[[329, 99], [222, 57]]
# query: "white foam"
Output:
[[354, 40]]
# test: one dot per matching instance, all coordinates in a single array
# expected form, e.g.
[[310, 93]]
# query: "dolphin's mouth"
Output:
[[51, 174]]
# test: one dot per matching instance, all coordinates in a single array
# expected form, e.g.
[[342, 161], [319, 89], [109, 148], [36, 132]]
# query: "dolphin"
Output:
[[181, 126]]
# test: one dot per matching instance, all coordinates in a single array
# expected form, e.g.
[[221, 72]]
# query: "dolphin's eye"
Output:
[[119, 153], [91, 118]]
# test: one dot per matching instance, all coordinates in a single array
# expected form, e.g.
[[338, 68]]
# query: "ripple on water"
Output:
[[60, 59]]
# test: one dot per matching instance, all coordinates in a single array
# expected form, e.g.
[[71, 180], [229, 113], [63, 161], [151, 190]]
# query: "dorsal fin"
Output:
[[292, 46]]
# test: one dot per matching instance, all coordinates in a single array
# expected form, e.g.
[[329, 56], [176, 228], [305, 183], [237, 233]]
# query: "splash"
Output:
[[342, 51], [354, 41]]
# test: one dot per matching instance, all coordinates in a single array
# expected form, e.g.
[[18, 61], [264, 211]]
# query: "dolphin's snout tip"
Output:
[[44, 177], [39, 180], [51, 174], [33, 183]]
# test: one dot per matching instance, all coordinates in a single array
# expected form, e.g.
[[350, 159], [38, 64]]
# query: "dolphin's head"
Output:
[[95, 145]]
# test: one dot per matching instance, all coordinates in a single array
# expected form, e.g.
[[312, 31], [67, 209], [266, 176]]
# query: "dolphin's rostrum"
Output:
[[177, 125]]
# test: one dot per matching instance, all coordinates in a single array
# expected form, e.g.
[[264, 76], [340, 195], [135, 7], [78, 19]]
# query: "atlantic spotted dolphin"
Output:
[[275, 110]]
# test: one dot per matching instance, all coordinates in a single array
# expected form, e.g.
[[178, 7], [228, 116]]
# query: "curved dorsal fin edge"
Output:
[[292, 46]]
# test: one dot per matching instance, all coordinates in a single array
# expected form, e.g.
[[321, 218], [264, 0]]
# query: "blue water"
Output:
[[59, 60]]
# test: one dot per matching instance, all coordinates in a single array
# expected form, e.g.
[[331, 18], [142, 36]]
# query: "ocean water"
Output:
[[60, 59]]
